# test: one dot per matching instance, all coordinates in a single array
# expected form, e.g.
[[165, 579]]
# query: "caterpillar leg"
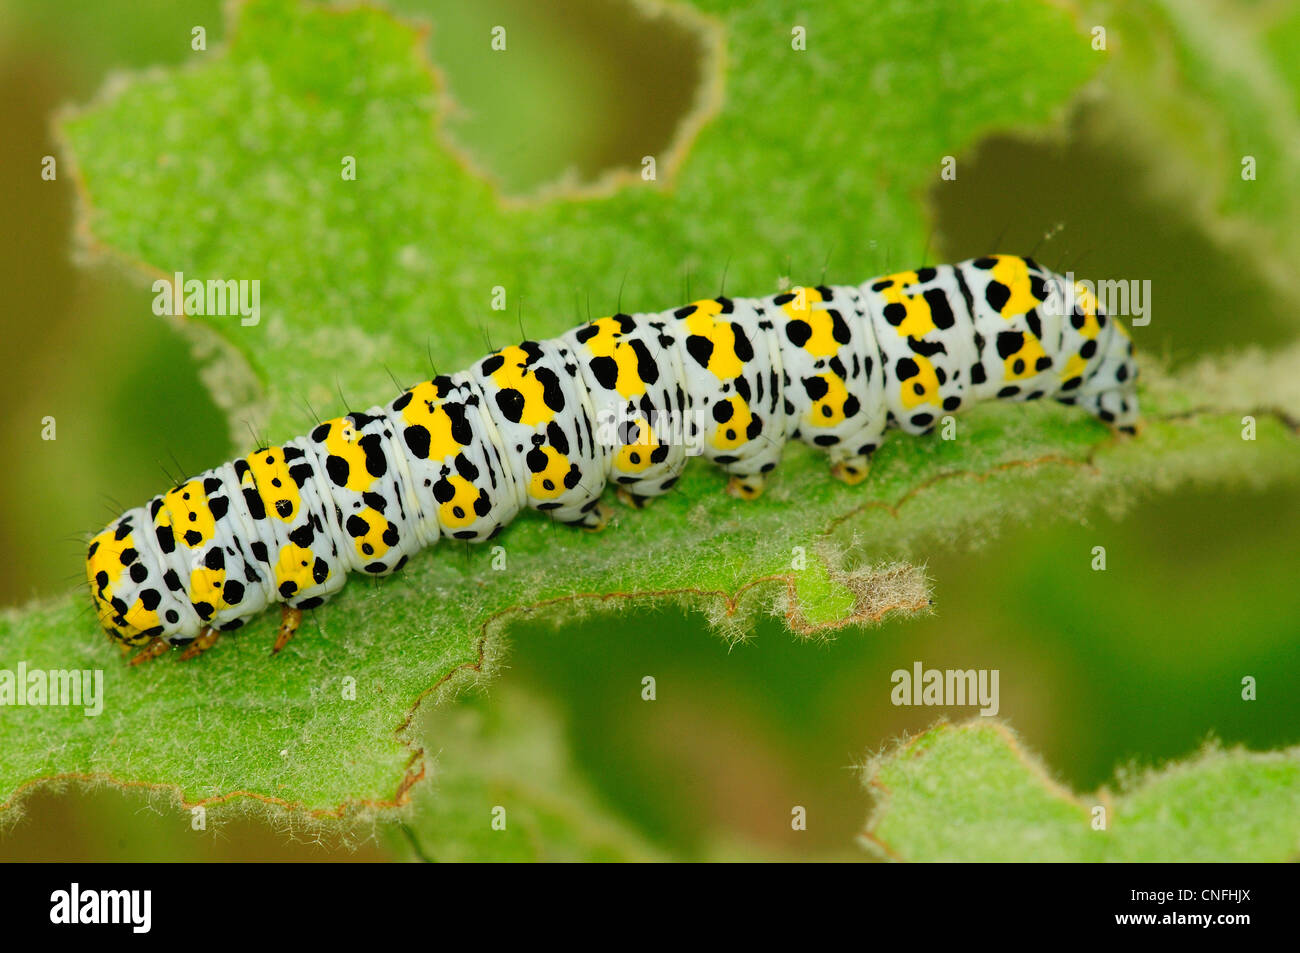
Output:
[[746, 486], [598, 518], [1128, 430], [1117, 409], [159, 646], [634, 500], [852, 470], [205, 640], [290, 619]]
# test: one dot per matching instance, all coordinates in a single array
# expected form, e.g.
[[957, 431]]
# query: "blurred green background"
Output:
[[1135, 665]]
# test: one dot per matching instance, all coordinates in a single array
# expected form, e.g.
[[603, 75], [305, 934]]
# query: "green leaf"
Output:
[[1199, 88], [971, 792], [231, 168], [504, 790]]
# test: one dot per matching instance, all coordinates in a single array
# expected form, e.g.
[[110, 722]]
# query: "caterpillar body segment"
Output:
[[627, 399]]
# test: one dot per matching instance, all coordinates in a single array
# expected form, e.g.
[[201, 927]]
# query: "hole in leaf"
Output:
[[1121, 222], [584, 89]]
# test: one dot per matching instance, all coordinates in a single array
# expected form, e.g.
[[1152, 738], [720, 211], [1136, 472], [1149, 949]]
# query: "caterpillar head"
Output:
[[126, 596]]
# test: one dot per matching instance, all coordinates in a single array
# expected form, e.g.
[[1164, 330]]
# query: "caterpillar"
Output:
[[625, 398]]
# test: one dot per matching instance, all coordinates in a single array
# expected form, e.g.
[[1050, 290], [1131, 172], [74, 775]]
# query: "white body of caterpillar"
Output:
[[530, 426]]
